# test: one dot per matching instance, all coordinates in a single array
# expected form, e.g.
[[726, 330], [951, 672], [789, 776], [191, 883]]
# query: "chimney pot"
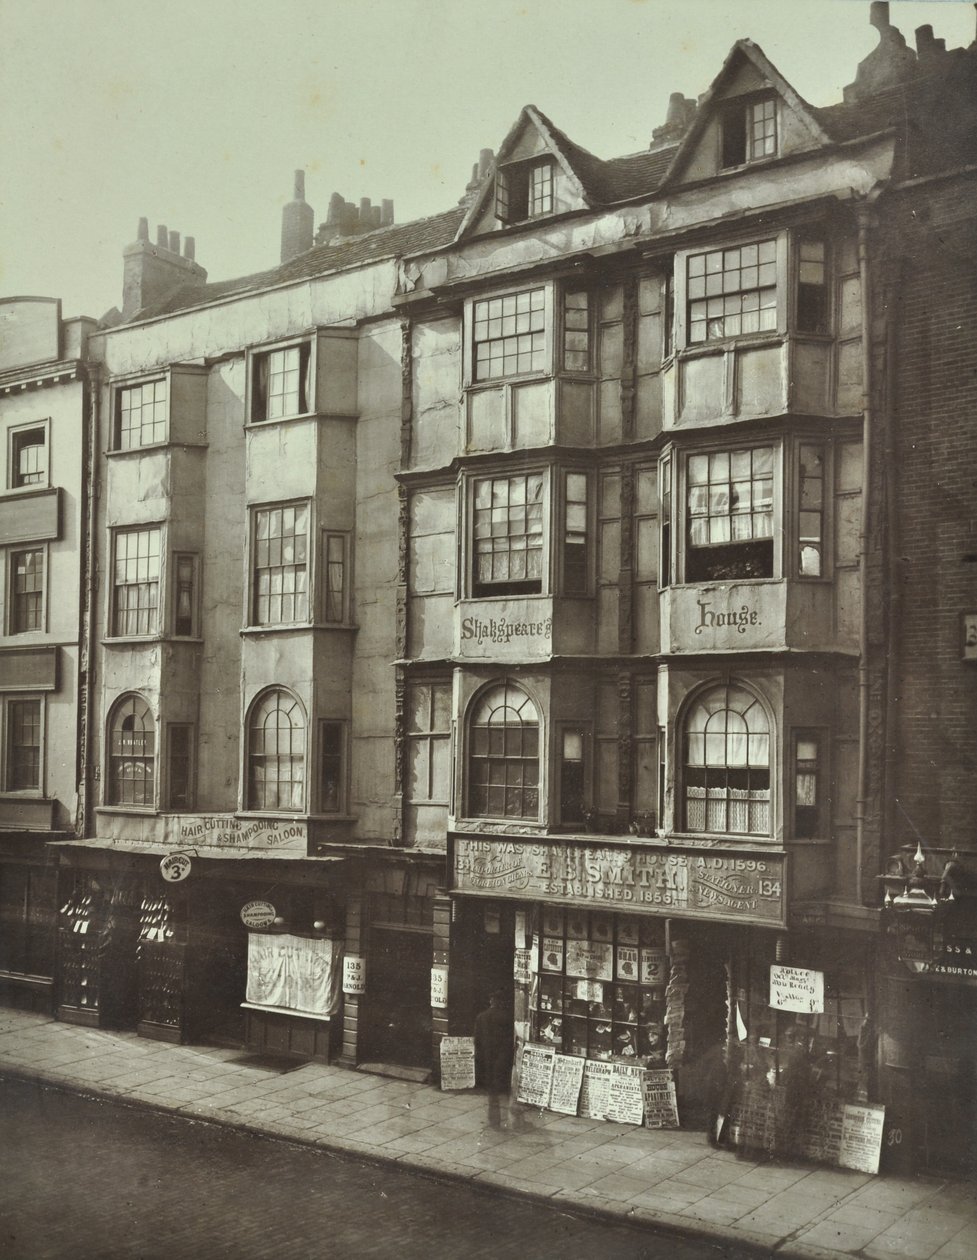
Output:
[[879, 14], [376, 217], [365, 212], [174, 242], [485, 159], [162, 236], [143, 232], [189, 247], [299, 194], [386, 212], [334, 215]]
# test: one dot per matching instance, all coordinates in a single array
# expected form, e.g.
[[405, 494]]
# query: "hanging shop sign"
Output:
[[439, 988], [915, 943], [258, 914], [175, 867], [796, 989], [738, 887], [457, 1062], [354, 975]]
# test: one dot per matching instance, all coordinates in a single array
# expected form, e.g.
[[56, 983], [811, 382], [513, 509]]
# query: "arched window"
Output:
[[276, 753], [727, 763], [132, 753], [503, 763]]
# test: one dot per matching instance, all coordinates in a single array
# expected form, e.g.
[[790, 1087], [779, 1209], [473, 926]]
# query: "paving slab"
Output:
[[668, 1178]]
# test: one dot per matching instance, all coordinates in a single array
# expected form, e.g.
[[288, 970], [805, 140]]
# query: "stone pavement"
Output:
[[667, 1178]]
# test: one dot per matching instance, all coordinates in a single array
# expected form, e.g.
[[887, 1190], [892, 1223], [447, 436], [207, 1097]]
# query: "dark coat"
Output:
[[493, 1048]]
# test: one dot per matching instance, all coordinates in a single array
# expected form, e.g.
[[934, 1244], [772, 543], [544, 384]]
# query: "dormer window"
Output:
[[524, 190], [749, 131]]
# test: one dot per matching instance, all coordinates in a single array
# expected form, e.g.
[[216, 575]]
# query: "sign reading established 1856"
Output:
[[700, 881]]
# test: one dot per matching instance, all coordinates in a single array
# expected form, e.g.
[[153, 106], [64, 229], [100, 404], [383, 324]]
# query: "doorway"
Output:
[[396, 1021]]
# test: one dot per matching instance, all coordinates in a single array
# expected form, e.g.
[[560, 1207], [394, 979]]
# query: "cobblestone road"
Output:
[[93, 1181]]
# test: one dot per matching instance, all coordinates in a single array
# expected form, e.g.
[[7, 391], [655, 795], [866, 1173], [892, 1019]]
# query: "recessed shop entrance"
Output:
[[396, 1019]]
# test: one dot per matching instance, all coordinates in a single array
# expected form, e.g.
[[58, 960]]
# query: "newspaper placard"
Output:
[[625, 1104], [796, 989], [457, 1062], [861, 1138], [535, 1075], [565, 1084], [552, 953], [627, 962], [522, 966], [589, 960], [654, 965], [595, 1093], [660, 1099]]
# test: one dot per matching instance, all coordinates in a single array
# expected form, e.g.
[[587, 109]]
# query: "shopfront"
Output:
[[624, 950], [928, 1032], [196, 946]]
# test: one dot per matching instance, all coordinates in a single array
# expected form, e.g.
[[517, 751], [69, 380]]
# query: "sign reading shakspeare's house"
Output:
[[508, 630], [746, 887]]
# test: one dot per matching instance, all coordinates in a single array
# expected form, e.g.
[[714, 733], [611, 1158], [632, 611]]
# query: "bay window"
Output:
[[509, 335], [510, 529], [280, 580], [732, 291], [730, 515], [281, 383], [727, 763], [503, 755], [135, 590], [132, 753]]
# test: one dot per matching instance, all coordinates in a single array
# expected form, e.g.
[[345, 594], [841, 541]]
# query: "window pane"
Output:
[[509, 335], [743, 284]]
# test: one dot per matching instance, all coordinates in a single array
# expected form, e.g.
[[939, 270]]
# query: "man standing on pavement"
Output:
[[493, 1054]]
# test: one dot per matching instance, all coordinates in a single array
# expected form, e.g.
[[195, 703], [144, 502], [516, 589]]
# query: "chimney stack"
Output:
[[678, 119], [298, 222], [151, 272], [888, 65]]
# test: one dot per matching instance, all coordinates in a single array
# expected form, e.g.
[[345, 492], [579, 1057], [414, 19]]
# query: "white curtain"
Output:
[[296, 973]]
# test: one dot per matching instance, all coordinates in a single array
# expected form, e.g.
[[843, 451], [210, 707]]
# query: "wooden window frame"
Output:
[[124, 389], [342, 804], [13, 626], [259, 395], [155, 621], [193, 632], [191, 762], [8, 785], [17, 443], [254, 620]]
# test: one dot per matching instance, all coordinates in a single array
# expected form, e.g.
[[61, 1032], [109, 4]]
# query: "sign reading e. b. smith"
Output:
[[624, 877]]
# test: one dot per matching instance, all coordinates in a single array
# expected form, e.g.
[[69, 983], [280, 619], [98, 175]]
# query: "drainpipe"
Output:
[[864, 213], [87, 602]]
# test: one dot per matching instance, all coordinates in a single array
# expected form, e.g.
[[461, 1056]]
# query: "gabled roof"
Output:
[[354, 251], [599, 182], [743, 49], [571, 157]]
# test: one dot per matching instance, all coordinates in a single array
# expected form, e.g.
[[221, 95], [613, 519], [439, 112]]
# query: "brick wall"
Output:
[[934, 406]]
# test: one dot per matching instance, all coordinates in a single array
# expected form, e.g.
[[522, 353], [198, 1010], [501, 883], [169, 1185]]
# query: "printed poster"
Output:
[[552, 953], [861, 1138], [595, 1093], [627, 962], [660, 1100], [522, 966], [796, 989], [654, 965], [535, 1075], [625, 1105], [565, 1084], [590, 961], [457, 1062]]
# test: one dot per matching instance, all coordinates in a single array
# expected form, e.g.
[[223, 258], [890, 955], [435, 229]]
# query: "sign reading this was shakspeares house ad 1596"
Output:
[[718, 885]]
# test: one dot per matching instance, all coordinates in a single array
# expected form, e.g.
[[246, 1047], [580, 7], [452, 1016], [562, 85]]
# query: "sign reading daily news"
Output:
[[796, 989]]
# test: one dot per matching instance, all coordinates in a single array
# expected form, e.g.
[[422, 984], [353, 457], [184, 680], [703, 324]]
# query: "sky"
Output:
[[196, 113]]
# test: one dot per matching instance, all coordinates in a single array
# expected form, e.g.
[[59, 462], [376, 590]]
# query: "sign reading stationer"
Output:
[[745, 887]]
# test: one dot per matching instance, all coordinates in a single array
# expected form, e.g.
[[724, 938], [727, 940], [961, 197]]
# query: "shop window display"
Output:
[[599, 987]]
